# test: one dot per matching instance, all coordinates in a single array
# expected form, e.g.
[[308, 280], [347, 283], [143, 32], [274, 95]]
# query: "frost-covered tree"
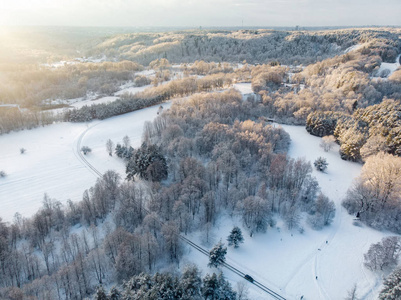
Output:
[[216, 287], [376, 193], [148, 163], [217, 255], [191, 283], [86, 149], [323, 212], [235, 237], [115, 293], [321, 164], [100, 294], [383, 254], [3, 173], [256, 213], [392, 286], [126, 141], [327, 142], [110, 147], [22, 150]]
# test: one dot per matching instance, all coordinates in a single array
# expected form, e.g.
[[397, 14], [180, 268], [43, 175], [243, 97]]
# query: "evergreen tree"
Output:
[[321, 164], [191, 283], [216, 287], [148, 163], [217, 255], [86, 149], [114, 293], [225, 290], [392, 286], [100, 294], [211, 287], [235, 237]]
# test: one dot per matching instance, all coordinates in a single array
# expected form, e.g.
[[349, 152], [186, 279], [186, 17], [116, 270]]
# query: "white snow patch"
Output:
[[386, 69], [353, 48], [245, 88]]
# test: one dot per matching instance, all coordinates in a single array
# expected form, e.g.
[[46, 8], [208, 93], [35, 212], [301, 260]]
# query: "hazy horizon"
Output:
[[195, 13]]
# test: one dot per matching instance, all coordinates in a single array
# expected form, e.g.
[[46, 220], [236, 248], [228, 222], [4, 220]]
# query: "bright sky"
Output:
[[196, 13]]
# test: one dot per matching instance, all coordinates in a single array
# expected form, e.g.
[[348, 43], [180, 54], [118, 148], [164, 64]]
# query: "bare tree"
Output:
[[126, 141], [352, 293], [383, 254], [327, 142], [110, 147]]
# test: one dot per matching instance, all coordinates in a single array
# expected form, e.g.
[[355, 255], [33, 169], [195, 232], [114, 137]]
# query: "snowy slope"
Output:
[[51, 164]]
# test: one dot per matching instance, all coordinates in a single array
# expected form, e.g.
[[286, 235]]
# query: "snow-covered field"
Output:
[[286, 261], [51, 164]]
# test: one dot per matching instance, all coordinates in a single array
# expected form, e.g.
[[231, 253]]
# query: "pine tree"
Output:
[[211, 287], [148, 163], [114, 293], [191, 283], [225, 290], [392, 286], [100, 294], [217, 255], [321, 164], [86, 149], [235, 237]]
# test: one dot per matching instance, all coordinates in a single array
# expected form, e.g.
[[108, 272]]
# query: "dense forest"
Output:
[[253, 46]]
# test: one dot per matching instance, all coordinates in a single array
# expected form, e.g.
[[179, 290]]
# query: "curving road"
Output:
[[267, 290]]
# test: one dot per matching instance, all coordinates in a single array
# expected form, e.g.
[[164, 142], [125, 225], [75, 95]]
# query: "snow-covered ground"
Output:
[[51, 164], [353, 48], [386, 69], [286, 261], [289, 261], [244, 88]]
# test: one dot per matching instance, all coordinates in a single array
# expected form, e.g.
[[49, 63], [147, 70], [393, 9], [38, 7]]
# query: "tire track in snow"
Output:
[[80, 156], [78, 153]]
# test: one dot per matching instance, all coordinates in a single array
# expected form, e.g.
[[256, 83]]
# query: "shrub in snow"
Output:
[[321, 164], [327, 142], [235, 237], [217, 255], [2, 174], [86, 149], [22, 150]]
